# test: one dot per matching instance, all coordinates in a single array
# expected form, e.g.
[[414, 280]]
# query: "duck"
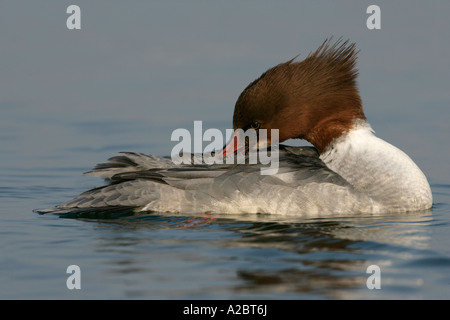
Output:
[[347, 170]]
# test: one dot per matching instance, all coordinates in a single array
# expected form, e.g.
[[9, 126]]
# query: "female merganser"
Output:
[[349, 171]]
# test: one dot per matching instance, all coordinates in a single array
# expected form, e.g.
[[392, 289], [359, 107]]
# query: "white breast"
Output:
[[377, 168]]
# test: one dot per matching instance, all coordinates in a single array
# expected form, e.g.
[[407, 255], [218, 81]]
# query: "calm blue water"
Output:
[[133, 74], [155, 256]]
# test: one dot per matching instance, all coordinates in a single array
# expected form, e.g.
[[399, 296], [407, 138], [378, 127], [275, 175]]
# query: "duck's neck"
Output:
[[379, 169]]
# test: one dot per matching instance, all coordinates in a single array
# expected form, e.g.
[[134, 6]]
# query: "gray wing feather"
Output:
[[128, 162], [139, 180]]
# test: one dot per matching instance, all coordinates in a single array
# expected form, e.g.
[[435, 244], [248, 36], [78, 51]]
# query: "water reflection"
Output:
[[270, 257]]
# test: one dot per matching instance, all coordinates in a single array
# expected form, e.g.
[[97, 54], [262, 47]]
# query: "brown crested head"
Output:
[[315, 99]]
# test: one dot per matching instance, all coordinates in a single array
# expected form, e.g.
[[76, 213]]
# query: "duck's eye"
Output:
[[255, 125]]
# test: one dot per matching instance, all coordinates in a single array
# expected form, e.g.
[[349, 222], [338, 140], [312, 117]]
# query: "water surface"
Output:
[[133, 74]]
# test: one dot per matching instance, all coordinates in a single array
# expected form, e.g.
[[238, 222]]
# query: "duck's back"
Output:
[[303, 185]]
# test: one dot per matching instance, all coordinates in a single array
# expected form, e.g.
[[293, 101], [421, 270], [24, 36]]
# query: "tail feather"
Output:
[[128, 162]]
